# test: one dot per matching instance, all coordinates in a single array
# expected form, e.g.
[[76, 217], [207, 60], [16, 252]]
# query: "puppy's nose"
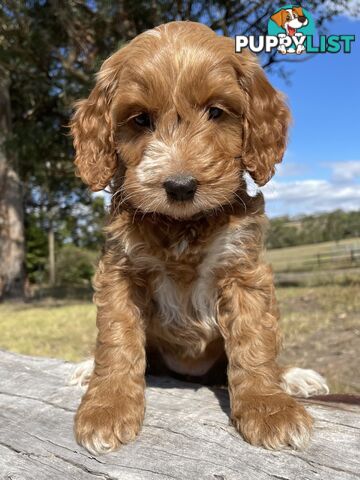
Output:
[[302, 19], [180, 187]]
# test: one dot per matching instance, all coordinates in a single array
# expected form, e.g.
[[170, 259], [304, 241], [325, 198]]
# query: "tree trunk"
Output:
[[12, 242], [51, 243], [186, 435]]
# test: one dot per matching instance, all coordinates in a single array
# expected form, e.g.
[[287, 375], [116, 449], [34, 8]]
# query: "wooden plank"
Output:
[[186, 434]]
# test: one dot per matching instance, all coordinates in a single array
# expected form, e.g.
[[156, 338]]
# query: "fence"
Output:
[[332, 259]]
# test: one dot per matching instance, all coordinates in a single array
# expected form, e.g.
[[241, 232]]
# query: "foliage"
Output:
[[75, 265], [302, 230], [281, 233], [77, 237], [36, 249], [85, 227]]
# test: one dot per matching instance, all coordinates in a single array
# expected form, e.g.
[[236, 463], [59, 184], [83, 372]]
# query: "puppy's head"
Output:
[[290, 19], [175, 119]]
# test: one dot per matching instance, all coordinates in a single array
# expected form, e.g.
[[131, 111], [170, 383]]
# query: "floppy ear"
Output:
[[266, 121], [93, 132], [299, 11], [278, 18]]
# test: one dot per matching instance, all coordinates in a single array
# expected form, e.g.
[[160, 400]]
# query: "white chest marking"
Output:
[[198, 303]]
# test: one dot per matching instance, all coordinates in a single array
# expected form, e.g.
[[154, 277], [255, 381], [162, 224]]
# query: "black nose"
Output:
[[180, 187], [302, 19]]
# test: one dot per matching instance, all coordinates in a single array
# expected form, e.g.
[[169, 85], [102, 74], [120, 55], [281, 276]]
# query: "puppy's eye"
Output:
[[215, 112], [143, 120]]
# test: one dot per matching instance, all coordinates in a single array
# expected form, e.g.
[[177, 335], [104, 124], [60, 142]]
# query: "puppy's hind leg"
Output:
[[82, 373], [303, 382]]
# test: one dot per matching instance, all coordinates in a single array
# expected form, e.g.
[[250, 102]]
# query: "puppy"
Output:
[[174, 121], [290, 19]]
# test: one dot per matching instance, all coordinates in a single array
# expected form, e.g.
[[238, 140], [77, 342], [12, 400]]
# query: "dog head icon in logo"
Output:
[[290, 19], [294, 22]]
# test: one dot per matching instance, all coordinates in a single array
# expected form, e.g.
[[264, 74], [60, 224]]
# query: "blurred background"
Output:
[[51, 226]]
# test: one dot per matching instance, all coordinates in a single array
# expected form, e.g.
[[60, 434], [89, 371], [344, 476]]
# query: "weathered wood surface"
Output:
[[186, 434]]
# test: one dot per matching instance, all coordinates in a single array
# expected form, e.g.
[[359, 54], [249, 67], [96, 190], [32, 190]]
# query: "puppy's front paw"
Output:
[[300, 49], [102, 428], [274, 421]]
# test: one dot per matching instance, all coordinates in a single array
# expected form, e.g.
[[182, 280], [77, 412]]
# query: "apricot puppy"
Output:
[[174, 121]]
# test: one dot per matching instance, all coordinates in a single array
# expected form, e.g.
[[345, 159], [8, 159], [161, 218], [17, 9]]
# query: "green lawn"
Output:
[[320, 325]]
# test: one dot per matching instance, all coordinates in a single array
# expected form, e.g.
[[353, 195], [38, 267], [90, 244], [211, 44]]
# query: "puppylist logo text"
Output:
[[291, 30]]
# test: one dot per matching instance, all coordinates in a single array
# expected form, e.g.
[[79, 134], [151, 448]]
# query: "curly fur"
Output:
[[184, 279]]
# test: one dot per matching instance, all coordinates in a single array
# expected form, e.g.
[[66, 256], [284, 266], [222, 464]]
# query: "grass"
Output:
[[321, 330], [320, 326], [51, 329]]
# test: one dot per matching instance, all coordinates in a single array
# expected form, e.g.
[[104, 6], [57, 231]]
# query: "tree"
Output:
[[11, 210], [80, 228], [282, 233], [75, 266], [42, 88], [307, 229]]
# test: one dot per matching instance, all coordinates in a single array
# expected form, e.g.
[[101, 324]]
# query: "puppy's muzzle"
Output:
[[180, 188]]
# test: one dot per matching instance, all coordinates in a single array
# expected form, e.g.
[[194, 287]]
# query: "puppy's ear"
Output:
[[278, 18], [299, 11], [93, 131], [266, 120]]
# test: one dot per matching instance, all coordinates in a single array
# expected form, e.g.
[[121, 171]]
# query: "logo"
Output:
[[291, 30], [291, 24]]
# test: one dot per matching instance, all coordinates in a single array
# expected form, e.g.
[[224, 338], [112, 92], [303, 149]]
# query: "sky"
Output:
[[321, 167]]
